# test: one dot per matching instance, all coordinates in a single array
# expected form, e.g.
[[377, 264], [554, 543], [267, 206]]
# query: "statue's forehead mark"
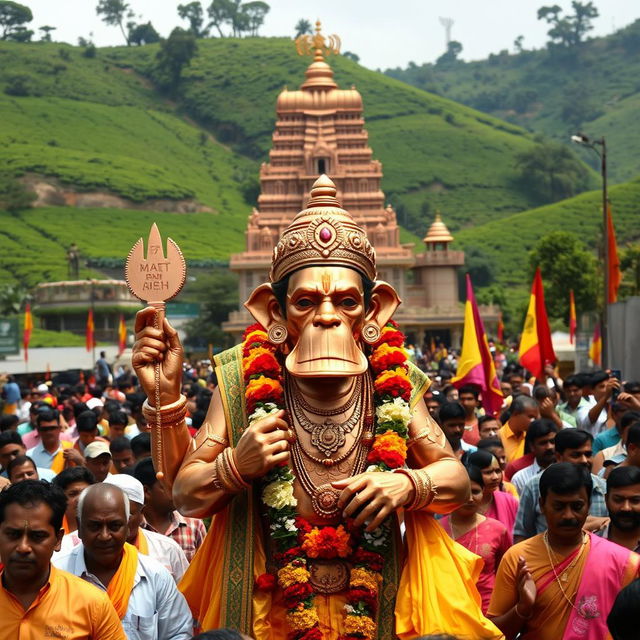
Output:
[[326, 281]]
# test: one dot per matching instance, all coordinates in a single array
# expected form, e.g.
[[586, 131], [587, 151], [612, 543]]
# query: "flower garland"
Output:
[[297, 540]]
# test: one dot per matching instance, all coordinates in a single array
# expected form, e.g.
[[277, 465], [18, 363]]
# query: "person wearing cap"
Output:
[[98, 459], [162, 548], [142, 591]]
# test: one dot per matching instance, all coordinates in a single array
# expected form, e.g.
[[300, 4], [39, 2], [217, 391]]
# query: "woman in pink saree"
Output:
[[484, 536], [496, 504]]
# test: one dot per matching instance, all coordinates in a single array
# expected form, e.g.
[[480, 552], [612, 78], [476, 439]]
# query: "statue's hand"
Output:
[[373, 496], [153, 345], [262, 446]]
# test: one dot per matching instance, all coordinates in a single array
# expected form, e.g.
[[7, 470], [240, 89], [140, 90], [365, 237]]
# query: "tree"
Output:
[[175, 53], [13, 194], [255, 13], [630, 266], [517, 44], [12, 297], [302, 26], [145, 33], [194, 13], [113, 13], [565, 264], [13, 17], [220, 12], [220, 291], [351, 56], [552, 172], [46, 33], [570, 30], [454, 49]]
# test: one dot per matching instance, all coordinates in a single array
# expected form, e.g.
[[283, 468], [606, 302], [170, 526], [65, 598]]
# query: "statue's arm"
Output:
[[429, 450], [192, 483]]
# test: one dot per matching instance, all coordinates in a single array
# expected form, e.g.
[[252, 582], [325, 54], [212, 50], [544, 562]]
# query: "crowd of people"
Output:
[[92, 545]]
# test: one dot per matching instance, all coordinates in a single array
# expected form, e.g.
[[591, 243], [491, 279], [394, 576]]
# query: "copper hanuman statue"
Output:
[[309, 455]]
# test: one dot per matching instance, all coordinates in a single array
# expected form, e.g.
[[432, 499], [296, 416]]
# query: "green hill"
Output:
[[592, 87], [99, 125]]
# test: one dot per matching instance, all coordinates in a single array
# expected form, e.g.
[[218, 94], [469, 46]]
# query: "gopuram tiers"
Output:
[[320, 129]]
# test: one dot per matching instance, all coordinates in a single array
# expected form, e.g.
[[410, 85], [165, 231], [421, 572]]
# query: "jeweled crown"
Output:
[[323, 234]]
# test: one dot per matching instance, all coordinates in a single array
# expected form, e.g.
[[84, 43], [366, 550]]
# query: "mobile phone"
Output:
[[617, 374]]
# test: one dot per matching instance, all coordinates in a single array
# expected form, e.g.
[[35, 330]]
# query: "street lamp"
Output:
[[585, 141]]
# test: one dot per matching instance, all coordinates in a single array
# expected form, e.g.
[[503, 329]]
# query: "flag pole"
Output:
[[604, 322]]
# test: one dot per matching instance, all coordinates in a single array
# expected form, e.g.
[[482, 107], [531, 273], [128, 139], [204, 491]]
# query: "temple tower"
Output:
[[319, 129]]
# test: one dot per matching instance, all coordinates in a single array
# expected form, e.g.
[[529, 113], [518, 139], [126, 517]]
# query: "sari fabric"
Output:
[[504, 508], [489, 540]]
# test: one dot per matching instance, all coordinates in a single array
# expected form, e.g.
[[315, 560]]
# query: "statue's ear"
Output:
[[263, 306], [384, 302]]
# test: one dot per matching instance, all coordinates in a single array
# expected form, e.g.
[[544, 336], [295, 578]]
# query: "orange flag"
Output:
[[615, 275], [122, 335], [90, 333], [595, 350], [475, 365], [536, 349], [28, 328], [500, 329], [573, 320]]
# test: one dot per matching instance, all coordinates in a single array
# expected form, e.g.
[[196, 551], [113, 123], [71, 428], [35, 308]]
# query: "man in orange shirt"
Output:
[[524, 410], [36, 599]]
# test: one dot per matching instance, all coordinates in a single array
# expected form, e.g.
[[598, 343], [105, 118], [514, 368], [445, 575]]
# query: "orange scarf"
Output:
[[121, 584], [58, 463], [65, 525], [141, 542]]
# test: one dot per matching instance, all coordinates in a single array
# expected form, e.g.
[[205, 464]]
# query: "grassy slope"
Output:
[[509, 239], [604, 74]]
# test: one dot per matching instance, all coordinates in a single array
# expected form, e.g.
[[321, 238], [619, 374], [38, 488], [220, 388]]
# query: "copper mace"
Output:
[[154, 280]]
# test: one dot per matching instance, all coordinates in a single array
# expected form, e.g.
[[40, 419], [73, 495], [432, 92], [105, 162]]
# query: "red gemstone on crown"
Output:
[[325, 234]]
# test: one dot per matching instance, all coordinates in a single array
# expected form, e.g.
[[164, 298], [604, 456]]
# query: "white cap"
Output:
[[130, 485], [93, 402], [42, 388], [96, 448]]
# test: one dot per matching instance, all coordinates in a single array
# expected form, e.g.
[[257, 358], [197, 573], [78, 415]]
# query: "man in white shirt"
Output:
[[540, 441], [142, 590], [594, 419], [162, 548]]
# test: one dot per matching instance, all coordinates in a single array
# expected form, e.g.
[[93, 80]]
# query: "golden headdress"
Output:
[[323, 234]]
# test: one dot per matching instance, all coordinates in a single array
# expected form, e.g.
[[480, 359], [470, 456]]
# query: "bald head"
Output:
[[100, 496], [103, 525]]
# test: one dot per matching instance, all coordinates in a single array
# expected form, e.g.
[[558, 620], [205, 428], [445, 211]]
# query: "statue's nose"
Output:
[[326, 316]]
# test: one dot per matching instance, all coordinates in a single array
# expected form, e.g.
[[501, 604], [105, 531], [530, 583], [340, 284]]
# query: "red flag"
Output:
[[536, 349], [595, 350], [122, 335], [500, 329], [90, 334], [573, 319], [28, 328], [615, 275], [475, 365]]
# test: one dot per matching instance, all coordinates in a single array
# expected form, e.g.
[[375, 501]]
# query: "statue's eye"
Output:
[[349, 303], [304, 303]]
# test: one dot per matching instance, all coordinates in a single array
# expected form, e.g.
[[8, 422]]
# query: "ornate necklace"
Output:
[[327, 436], [565, 574]]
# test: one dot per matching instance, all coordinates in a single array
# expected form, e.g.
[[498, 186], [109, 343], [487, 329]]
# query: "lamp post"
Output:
[[585, 141]]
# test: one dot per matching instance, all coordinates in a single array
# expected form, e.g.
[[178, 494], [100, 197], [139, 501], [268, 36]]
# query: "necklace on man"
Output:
[[565, 574]]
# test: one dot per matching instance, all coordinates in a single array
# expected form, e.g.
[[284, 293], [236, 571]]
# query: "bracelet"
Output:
[[425, 490], [425, 433], [170, 415], [225, 474], [521, 616]]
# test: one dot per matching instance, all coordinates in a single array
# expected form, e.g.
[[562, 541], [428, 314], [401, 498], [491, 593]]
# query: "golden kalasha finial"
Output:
[[317, 45]]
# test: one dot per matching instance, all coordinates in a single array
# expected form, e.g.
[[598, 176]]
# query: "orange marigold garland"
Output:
[[296, 539]]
